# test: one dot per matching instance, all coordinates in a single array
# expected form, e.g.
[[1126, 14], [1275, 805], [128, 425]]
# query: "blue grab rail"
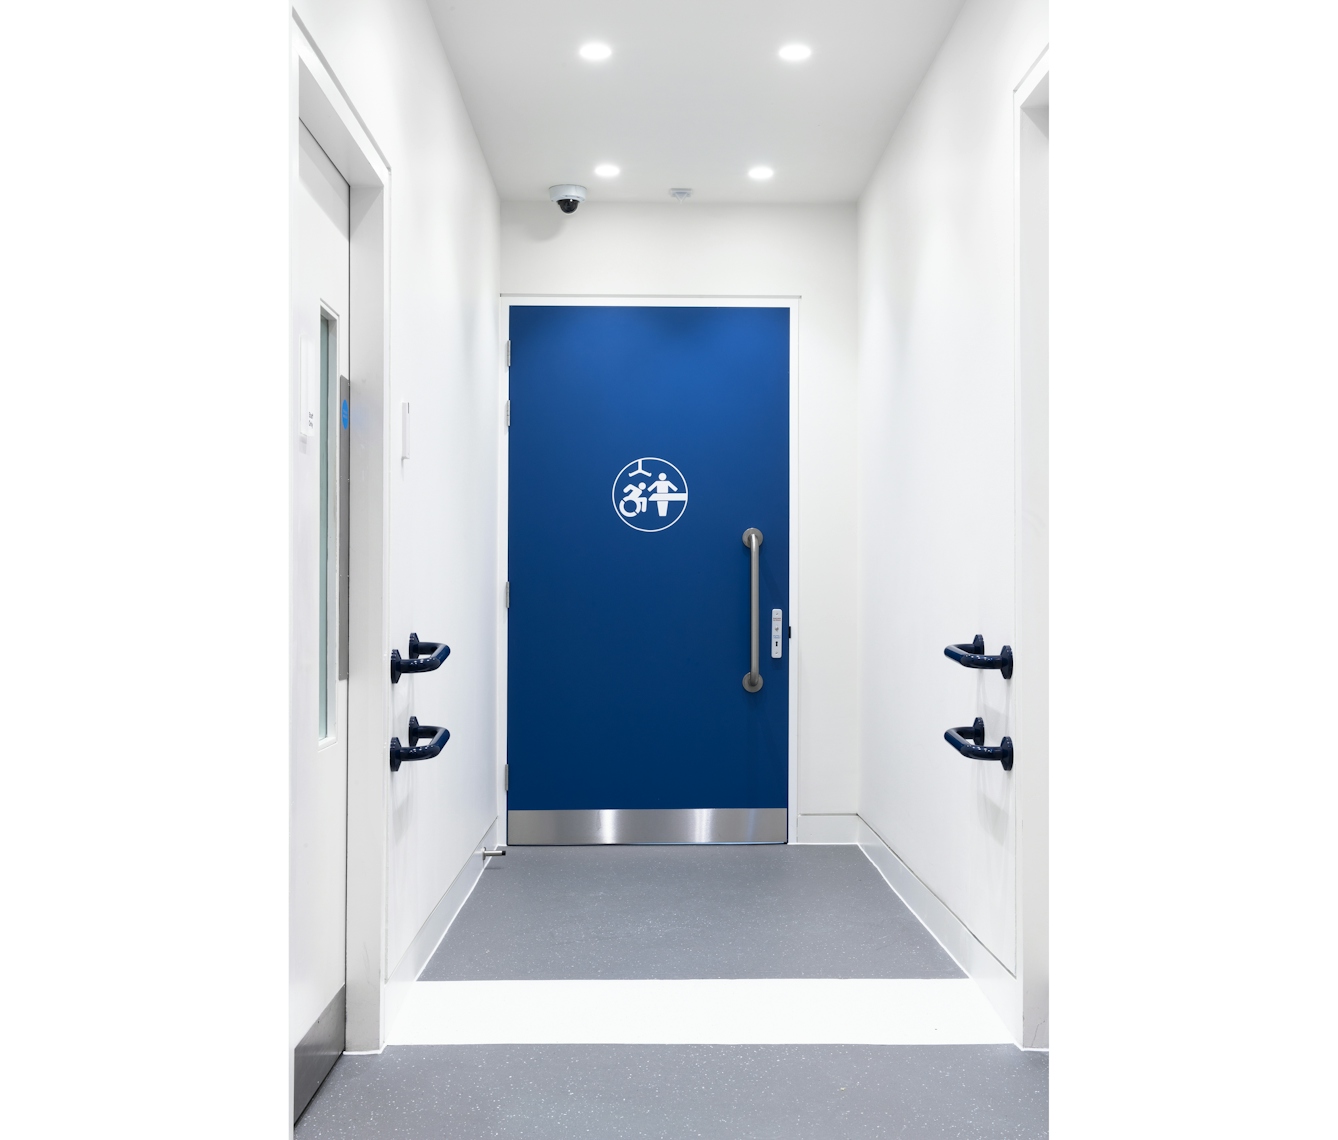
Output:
[[970, 741], [399, 753], [972, 654], [424, 656]]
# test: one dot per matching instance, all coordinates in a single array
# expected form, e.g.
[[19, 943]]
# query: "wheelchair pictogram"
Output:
[[650, 494]]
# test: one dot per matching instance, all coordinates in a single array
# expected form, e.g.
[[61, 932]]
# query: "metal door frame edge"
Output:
[[790, 302]]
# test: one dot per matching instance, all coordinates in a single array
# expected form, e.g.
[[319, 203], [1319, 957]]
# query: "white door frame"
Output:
[[503, 508], [317, 100]]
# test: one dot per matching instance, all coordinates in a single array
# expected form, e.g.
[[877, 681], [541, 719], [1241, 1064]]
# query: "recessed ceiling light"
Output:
[[595, 52], [607, 170], [761, 173], [795, 53]]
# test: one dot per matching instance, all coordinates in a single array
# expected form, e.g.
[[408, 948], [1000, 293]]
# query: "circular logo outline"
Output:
[[617, 509]]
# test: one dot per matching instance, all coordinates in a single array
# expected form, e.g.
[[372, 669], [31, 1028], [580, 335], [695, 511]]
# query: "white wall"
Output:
[[143, 813], [696, 249], [388, 58], [1193, 491], [936, 468]]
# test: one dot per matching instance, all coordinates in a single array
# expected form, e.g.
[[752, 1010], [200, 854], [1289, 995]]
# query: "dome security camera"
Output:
[[567, 195]]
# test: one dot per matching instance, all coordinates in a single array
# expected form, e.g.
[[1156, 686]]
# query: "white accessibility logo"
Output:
[[650, 494]]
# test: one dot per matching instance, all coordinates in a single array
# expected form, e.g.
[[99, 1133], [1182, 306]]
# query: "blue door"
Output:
[[645, 442]]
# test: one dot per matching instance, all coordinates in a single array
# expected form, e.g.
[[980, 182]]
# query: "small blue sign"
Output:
[[343, 414]]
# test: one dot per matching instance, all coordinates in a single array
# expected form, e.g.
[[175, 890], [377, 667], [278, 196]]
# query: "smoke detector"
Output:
[[680, 193]]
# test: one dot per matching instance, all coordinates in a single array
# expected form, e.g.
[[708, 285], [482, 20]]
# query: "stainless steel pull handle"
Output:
[[752, 539]]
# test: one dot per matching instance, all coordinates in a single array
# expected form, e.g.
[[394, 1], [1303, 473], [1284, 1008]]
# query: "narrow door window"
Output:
[[329, 369]]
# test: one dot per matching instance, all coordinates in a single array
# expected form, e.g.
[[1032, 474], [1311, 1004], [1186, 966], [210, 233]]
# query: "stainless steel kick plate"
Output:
[[646, 825]]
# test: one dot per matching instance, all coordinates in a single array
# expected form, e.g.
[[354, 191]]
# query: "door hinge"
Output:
[[508, 413], [508, 595], [506, 777], [508, 354]]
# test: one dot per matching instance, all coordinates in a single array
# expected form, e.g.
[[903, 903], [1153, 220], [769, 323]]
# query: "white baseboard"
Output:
[[429, 936], [999, 985], [827, 829]]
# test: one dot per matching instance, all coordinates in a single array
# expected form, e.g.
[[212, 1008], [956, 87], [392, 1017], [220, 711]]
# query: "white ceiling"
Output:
[[694, 94]]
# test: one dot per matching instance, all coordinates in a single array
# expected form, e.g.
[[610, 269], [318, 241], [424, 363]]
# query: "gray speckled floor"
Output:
[[685, 912], [717, 1092]]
